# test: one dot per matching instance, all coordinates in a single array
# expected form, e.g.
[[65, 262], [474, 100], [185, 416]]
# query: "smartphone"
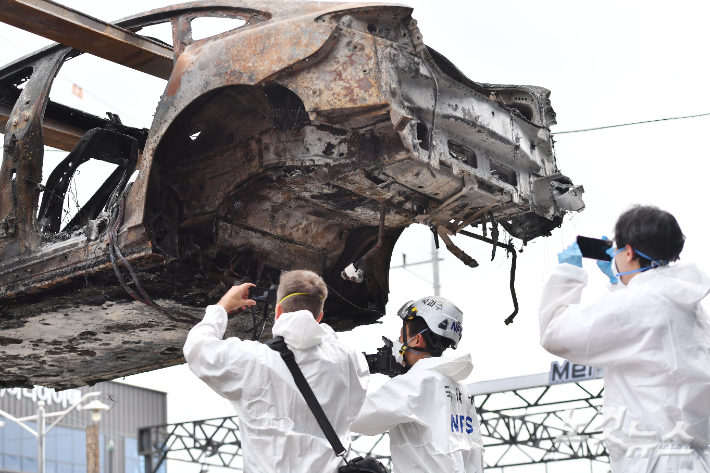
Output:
[[594, 248]]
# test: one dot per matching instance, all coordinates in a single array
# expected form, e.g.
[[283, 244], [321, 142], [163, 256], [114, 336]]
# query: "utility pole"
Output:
[[92, 436], [109, 463], [435, 267], [92, 449], [41, 432]]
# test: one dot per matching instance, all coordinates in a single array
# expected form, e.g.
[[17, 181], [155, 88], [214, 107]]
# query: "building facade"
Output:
[[65, 446]]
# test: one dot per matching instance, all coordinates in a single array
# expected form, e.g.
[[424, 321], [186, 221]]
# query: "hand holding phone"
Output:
[[594, 248]]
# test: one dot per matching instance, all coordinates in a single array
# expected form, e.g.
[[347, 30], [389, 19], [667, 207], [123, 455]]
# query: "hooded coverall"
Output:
[[278, 431], [653, 340], [431, 418]]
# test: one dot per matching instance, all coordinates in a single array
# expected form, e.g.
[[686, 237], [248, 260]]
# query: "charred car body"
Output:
[[306, 138]]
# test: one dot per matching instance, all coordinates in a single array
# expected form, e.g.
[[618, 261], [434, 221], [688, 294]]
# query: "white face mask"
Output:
[[396, 347]]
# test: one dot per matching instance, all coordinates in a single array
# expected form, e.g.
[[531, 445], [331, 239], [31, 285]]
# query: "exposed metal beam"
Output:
[[54, 133], [73, 28], [218, 442]]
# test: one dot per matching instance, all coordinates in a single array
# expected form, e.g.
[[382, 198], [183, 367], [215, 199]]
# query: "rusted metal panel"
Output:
[[304, 139], [23, 154], [278, 252], [80, 31]]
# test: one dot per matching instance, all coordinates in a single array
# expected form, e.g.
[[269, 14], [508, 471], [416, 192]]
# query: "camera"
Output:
[[384, 361], [263, 294]]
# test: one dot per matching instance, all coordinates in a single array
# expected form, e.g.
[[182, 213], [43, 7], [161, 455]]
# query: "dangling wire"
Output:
[[175, 316], [513, 266]]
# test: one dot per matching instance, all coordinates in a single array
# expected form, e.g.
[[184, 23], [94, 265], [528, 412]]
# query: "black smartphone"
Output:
[[594, 248]]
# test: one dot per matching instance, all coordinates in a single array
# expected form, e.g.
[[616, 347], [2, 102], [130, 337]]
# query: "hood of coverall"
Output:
[[457, 368], [682, 283], [300, 330]]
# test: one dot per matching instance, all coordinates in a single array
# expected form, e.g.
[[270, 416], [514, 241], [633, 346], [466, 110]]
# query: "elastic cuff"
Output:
[[217, 315]]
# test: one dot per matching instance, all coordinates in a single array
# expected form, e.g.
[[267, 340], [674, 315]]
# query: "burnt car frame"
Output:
[[309, 138]]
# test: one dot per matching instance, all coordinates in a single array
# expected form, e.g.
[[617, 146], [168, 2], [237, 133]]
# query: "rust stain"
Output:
[[182, 65]]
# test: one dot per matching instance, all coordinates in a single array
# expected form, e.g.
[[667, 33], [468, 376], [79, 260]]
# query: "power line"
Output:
[[63, 76], [629, 124]]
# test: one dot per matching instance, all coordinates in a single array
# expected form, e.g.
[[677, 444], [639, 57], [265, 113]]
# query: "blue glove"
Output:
[[571, 255], [605, 266]]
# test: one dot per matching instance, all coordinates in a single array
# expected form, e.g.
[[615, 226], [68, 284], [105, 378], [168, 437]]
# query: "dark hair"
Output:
[[652, 231], [431, 340], [302, 281]]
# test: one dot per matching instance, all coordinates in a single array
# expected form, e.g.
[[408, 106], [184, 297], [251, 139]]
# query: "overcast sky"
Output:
[[605, 62]]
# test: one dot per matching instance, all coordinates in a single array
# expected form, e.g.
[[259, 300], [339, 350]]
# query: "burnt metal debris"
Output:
[[278, 145]]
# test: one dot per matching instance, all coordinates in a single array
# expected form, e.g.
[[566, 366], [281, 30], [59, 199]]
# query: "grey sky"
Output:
[[605, 62]]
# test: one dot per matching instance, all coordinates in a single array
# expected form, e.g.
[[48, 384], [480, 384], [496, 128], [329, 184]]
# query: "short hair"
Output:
[[307, 282], [652, 231], [431, 339]]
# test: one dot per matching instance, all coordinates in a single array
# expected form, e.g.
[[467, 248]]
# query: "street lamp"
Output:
[[92, 435], [111, 448], [40, 417], [95, 407]]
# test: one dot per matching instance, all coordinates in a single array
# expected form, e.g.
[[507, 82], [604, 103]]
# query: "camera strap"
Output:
[[278, 344]]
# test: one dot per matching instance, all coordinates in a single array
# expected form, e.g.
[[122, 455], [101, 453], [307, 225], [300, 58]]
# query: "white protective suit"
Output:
[[653, 340], [278, 431], [432, 421]]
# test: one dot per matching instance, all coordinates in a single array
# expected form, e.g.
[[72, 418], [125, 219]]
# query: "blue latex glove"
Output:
[[571, 255], [605, 266]]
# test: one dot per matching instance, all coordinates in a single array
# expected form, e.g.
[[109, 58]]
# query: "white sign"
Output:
[[570, 373], [64, 398]]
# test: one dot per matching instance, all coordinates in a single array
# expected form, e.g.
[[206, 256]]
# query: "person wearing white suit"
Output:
[[279, 433], [651, 335], [428, 411]]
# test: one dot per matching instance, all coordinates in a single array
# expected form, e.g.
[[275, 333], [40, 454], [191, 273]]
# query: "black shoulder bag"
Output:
[[359, 464]]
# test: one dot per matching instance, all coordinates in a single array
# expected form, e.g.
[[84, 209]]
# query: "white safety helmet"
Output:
[[441, 316]]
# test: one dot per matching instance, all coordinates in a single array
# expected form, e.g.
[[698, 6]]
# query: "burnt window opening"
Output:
[[101, 152], [161, 32], [505, 174], [287, 110], [207, 26], [13, 175], [423, 136], [463, 154]]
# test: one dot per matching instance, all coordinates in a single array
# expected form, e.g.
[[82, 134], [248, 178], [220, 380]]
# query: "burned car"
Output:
[[308, 138]]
